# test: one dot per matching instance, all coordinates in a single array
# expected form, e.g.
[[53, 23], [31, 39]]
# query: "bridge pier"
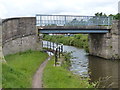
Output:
[[106, 45]]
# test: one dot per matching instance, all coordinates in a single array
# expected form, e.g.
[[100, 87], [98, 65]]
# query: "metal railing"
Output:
[[71, 20], [57, 49]]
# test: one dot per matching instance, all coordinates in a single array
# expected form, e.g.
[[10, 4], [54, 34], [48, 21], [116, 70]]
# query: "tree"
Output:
[[100, 14], [117, 16]]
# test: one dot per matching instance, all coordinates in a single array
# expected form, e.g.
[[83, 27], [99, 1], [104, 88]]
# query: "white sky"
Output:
[[17, 8]]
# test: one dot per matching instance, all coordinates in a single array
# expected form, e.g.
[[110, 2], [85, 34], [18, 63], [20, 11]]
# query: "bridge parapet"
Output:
[[71, 20]]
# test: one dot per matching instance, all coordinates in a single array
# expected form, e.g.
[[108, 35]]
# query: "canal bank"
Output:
[[60, 77], [98, 69]]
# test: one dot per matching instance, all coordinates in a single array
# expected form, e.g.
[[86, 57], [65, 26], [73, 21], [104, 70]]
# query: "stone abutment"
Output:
[[106, 45], [19, 34]]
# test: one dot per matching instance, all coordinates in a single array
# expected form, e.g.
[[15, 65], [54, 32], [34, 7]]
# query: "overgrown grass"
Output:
[[78, 40], [59, 77], [66, 63], [20, 68]]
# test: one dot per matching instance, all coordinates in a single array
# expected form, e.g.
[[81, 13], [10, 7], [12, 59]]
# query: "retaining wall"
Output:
[[19, 34]]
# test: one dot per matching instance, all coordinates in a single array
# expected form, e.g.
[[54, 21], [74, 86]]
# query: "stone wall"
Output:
[[0, 21], [1, 56], [106, 45], [19, 34]]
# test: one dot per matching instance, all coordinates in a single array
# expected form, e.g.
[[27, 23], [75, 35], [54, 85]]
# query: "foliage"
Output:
[[100, 14], [66, 63], [78, 40], [116, 17], [20, 68]]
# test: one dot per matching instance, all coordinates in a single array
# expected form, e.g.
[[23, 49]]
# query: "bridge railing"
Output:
[[71, 20]]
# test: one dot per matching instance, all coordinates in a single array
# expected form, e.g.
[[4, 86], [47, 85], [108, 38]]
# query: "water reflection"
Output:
[[101, 68]]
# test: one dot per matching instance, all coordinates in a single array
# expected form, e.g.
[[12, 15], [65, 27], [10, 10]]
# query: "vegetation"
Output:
[[60, 77], [20, 68], [116, 17], [66, 63], [78, 40]]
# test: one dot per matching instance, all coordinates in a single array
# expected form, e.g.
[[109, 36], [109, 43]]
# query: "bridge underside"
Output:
[[73, 30]]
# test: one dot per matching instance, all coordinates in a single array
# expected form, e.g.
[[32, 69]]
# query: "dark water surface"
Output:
[[98, 69]]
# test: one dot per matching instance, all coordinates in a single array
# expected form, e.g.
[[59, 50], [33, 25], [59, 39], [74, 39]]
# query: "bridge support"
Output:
[[39, 43], [106, 45]]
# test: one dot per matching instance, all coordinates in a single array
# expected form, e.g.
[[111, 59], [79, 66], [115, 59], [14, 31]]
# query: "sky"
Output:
[[18, 8]]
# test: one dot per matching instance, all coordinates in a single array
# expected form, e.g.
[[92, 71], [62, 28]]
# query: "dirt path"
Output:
[[37, 79]]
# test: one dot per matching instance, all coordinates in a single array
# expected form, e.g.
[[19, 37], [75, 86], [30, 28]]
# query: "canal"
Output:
[[98, 69]]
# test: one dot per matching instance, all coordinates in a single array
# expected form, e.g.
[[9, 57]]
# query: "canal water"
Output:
[[98, 69]]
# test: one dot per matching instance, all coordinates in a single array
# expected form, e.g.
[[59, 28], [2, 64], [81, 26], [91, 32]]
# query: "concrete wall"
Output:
[[19, 34], [106, 45]]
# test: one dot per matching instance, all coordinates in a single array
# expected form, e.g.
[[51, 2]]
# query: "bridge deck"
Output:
[[73, 29]]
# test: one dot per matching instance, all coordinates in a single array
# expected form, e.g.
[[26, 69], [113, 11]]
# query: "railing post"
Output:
[[65, 21], [37, 20], [61, 48], [56, 44], [56, 57], [50, 45], [108, 21], [59, 51], [53, 45], [40, 20], [42, 43], [47, 45]]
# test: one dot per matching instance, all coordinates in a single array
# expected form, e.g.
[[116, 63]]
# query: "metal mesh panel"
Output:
[[70, 20]]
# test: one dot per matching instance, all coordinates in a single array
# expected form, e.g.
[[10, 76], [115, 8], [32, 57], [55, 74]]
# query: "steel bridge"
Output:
[[63, 24]]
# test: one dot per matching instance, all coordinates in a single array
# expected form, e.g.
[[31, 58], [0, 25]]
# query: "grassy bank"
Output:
[[60, 77], [20, 68], [78, 40]]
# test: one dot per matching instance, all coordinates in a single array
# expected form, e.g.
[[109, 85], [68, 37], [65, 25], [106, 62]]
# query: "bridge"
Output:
[[62, 24], [24, 33], [103, 32]]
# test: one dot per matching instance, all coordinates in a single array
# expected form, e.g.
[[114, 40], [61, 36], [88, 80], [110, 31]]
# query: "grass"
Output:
[[59, 77], [20, 68]]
